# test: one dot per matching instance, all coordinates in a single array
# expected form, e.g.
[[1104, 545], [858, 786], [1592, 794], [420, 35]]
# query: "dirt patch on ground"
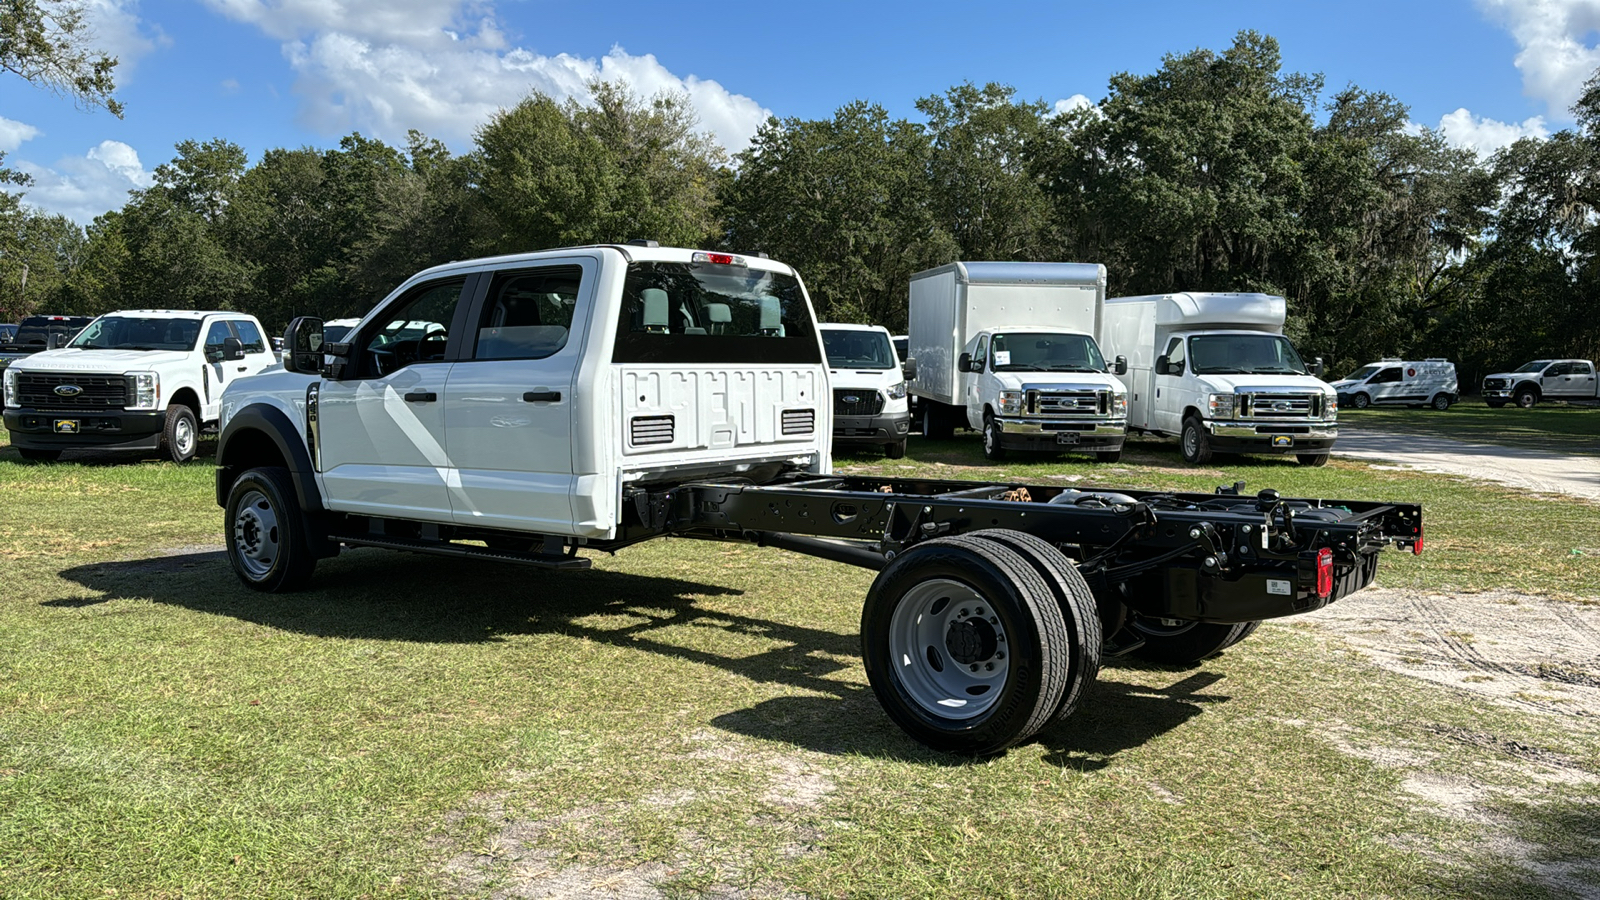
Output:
[[1520, 650]]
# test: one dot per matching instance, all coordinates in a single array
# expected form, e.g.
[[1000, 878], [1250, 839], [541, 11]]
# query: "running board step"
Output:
[[442, 548]]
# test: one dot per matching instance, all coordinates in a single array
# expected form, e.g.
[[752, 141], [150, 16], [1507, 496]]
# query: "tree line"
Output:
[[1219, 171]]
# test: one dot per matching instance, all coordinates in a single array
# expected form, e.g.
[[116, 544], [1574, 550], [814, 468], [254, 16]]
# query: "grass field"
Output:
[[693, 717], [1550, 426]]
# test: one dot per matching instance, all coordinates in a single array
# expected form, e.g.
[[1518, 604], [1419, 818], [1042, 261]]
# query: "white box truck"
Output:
[[1215, 370], [1009, 349]]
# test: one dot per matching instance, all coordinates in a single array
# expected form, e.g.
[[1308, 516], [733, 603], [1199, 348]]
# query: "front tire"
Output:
[[1362, 401], [1196, 442], [992, 447], [935, 423], [180, 435], [965, 646], [1495, 404], [266, 532], [1527, 399], [1314, 460], [1109, 456], [896, 450], [1185, 643], [32, 455]]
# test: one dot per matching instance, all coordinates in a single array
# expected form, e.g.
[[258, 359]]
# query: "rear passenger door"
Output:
[[510, 397], [1386, 386]]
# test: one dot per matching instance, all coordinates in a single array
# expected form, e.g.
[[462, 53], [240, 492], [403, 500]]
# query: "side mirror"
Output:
[[1316, 367], [1163, 366], [908, 370], [57, 340], [1120, 366], [302, 342], [964, 363], [232, 349]]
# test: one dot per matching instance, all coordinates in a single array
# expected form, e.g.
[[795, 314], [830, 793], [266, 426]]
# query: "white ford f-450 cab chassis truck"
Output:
[[524, 409]]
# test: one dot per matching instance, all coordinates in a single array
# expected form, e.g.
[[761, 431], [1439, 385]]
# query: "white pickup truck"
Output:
[[1572, 380], [142, 379], [527, 409]]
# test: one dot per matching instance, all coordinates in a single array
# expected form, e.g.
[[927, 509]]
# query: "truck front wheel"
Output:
[[266, 532], [181, 433], [965, 646], [1182, 643], [1312, 459], [32, 455], [935, 422], [992, 447], [1196, 443], [1527, 398]]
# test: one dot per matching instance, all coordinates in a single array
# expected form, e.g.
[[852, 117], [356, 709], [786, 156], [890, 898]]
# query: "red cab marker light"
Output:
[[717, 259], [1324, 572]]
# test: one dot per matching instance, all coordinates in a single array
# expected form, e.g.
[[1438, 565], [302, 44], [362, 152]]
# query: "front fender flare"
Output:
[[275, 424]]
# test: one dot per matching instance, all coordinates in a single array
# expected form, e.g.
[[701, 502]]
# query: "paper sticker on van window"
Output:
[[1002, 357]]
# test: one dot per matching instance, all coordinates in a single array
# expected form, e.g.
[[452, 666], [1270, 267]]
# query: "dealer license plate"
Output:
[[1282, 440], [1067, 437], [66, 426]]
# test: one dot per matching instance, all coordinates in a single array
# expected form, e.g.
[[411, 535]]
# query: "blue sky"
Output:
[[290, 73]]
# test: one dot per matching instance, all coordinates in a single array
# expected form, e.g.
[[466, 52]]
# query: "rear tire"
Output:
[[935, 424], [266, 532], [1441, 402], [32, 455], [180, 436], [1187, 642], [1196, 443], [992, 447], [1315, 460], [896, 450], [1079, 610], [1249, 629], [965, 646]]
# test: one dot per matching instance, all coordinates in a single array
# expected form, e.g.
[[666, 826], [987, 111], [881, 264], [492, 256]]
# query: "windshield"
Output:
[[1363, 373], [38, 329], [858, 349], [138, 333], [1535, 366], [709, 313], [1244, 354], [1045, 352]]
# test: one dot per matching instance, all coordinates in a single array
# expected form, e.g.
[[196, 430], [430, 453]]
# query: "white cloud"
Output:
[[444, 68], [1076, 101], [1556, 55], [13, 134], [119, 32], [1463, 129], [82, 187]]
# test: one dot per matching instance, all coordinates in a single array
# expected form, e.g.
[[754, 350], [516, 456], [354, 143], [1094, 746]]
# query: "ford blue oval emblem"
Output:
[[68, 390], [850, 398]]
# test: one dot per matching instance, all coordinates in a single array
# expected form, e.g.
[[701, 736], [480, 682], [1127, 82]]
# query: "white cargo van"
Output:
[[1009, 348], [869, 388], [1398, 382], [1215, 370]]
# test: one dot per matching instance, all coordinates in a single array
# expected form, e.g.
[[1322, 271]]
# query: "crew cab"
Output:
[[143, 379], [525, 409], [37, 333], [1542, 379]]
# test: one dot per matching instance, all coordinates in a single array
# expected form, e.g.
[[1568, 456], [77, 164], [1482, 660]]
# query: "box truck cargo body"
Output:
[[1010, 348], [1215, 370]]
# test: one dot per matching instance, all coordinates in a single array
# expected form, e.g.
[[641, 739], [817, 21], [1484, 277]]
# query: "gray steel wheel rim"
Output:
[[917, 636], [1441, 403], [183, 435], [1191, 442], [256, 534], [991, 440], [1362, 401]]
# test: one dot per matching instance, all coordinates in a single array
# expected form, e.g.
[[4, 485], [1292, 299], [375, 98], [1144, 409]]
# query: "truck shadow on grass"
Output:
[[838, 713]]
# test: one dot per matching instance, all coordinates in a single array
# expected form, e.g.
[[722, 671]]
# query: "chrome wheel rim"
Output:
[[255, 535], [183, 436], [948, 650], [991, 440]]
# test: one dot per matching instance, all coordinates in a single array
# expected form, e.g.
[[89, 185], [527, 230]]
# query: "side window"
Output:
[[1387, 376], [215, 335], [249, 336], [1559, 369], [528, 313], [980, 356], [1175, 355], [414, 330], [1582, 368]]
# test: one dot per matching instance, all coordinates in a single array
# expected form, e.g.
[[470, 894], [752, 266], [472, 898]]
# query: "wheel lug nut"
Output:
[[980, 610], [994, 620], [999, 654], [989, 666], [963, 613], [974, 667]]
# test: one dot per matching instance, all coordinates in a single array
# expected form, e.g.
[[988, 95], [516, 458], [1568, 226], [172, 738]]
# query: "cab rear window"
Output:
[[713, 313]]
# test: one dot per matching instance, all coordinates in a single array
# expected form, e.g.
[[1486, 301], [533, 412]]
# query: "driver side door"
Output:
[[381, 440]]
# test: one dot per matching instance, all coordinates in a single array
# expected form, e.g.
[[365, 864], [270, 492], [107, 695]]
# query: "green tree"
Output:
[[48, 43]]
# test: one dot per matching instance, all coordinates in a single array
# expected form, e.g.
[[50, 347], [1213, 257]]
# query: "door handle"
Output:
[[421, 397], [244, 368], [541, 396]]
